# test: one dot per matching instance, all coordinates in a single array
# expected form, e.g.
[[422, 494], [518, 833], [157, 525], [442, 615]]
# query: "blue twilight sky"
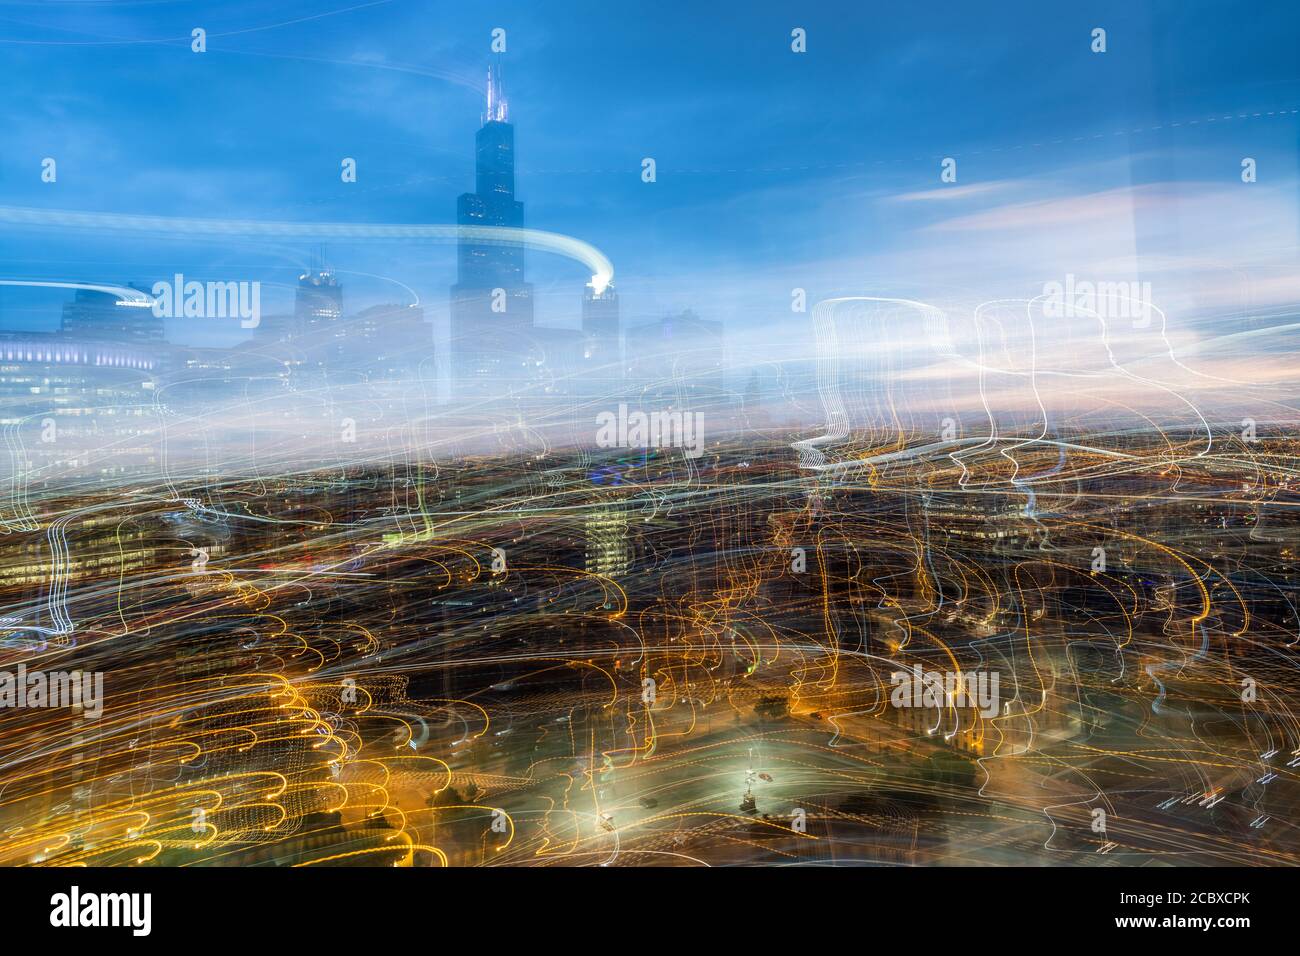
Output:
[[776, 170]]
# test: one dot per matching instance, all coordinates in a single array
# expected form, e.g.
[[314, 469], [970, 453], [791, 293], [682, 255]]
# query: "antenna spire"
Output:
[[497, 109]]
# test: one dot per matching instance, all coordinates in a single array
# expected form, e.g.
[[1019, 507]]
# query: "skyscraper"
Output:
[[602, 353], [318, 330], [318, 304], [491, 304], [103, 316]]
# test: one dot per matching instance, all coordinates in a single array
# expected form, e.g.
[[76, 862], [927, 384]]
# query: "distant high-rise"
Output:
[[318, 303], [491, 303], [391, 342], [85, 404], [608, 550], [602, 352], [104, 316], [318, 318]]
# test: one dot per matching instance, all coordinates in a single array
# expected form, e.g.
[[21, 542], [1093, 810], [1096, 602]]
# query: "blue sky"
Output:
[[775, 169]]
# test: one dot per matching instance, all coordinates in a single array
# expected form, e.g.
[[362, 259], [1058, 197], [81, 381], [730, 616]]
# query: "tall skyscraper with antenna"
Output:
[[491, 303]]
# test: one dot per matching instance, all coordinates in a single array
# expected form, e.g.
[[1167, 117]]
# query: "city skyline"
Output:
[[692, 239]]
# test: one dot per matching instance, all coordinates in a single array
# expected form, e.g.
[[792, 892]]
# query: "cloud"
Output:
[[1109, 207], [952, 193]]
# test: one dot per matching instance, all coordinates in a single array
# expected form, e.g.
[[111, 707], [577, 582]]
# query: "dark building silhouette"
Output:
[[318, 305], [602, 350], [391, 341], [491, 303], [314, 337], [104, 316]]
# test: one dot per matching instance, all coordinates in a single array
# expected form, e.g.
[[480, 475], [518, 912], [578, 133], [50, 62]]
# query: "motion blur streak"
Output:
[[602, 271]]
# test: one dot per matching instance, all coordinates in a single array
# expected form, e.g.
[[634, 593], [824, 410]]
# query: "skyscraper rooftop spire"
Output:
[[497, 109]]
